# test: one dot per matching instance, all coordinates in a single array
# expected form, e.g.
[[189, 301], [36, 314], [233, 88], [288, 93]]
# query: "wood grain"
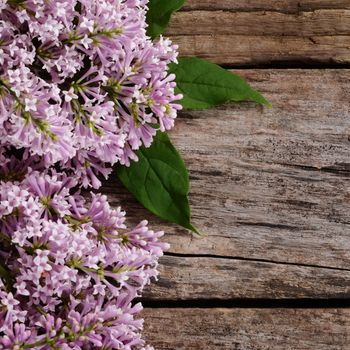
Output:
[[270, 184], [264, 33], [270, 188], [191, 278], [263, 23], [293, 6], [248, 329], [264, 51]]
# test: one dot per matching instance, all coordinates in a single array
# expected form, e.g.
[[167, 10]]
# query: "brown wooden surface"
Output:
[[184, 278], [293, 6], [268, 184], [260, 32], [270, 188], [248, 329]]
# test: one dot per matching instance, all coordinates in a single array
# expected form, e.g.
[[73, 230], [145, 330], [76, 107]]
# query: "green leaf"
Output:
[[205, 85], [159, 13], [159, 181]]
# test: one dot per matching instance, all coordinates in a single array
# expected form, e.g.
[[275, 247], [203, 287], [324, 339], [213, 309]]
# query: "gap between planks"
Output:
[[306, 303]]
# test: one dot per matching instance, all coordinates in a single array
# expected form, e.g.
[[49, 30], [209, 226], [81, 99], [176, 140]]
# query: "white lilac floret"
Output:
[[81, 85]]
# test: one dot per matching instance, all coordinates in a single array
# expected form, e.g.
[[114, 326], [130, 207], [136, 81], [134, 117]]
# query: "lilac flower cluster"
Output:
[[69, 269], [81, 84], [81, 88]]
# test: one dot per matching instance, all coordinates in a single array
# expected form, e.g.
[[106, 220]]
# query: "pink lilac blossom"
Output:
[[81, 85], [69, 269], [81, 88]]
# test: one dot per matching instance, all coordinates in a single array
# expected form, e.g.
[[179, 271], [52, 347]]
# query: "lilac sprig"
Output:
[[81, 84], [81, 88], [69, 270]]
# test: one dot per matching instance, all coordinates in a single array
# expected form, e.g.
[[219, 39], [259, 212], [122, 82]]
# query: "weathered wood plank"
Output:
[[269, 184], [261, 50], [248, 329], [261, 23], [190, 278], [294, 6], [227, 33]]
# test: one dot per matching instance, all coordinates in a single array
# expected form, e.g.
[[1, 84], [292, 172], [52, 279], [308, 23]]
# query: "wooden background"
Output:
[[270, 187]]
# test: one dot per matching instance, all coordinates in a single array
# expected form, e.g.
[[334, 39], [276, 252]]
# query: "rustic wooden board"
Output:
[[268, 184], [294, 6], [266, 23], [270, 188], [236, 50], [190, 278], [264, 32], [248, 329]]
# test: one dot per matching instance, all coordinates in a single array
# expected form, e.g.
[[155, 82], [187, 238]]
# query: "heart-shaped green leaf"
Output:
[[159, 13], [159, 181], [205, 85]]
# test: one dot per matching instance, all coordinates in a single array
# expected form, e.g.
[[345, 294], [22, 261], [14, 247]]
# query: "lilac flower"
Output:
[[72, 269], [81, 88], [81, 84]]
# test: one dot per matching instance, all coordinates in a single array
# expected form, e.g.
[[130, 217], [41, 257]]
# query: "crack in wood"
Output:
[[260, 11], [270, 225], [340, 169], [238, 258]]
